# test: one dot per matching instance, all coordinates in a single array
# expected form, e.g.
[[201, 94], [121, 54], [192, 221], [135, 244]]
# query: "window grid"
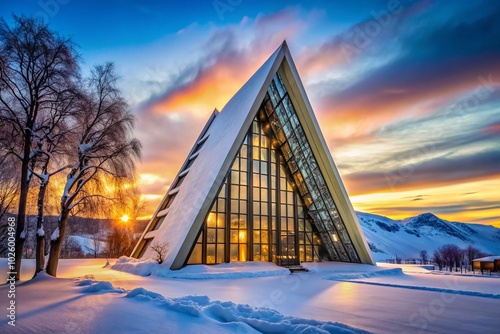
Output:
[[307, 175]]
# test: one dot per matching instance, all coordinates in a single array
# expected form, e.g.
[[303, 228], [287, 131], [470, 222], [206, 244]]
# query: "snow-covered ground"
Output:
[[341, 298]]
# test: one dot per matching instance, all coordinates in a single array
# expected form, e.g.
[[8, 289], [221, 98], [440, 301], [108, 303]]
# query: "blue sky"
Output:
[[407, 93]]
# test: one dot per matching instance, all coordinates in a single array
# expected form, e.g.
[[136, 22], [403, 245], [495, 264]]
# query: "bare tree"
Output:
[[472, 253], [423, 256], [160, 250], [105, 155], [437, 259], [36, 65], [449, 256], [71, 249], [98, 236], [53, 140], [120, 242], [8, 184]]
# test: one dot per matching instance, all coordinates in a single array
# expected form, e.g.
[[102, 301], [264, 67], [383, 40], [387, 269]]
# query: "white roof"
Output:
[[488, 258]]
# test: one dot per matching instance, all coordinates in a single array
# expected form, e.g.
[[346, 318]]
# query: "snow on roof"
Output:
[[488, 258], [207, 173]]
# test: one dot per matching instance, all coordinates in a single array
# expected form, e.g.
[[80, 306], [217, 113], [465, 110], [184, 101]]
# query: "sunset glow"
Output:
[[410, 109]]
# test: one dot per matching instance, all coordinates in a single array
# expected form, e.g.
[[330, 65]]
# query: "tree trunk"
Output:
[[40, 240], [23, 197], [56, 245]]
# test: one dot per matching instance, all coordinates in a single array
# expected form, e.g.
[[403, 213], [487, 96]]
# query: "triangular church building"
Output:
[[259, 184]]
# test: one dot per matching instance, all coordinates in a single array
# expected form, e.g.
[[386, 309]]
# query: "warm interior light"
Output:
[[124, 218], [335, 238], [243, 236]]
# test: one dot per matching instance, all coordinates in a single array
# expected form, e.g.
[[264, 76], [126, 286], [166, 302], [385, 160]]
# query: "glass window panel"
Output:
[[220, 253], [264, 237], [263, 181], [196, 255], [263, 194], [243, 178], [263, 208], [256, 208], [263, 223], [242, 222], [221, 203], [281, 136], [289, 197], [283, 196], [256, 236], [256, 138], [233, 256], [234, 206], [256, 252], [234, 220], [264, 141], [223, 191], [243, 252], [221, 220], [279, 85], [242, 236], [256, 180], [255, 127], [243, 207], [210, 254], [263, 167], [263, 154], [301, 225], [256, 222], [210, 235], [220, 235], [273, 93], [243, 192], [234, 191], [256, 166], [256, 194], [244, 165], [268, 107], [309, 253], [212, 219], [236, 164], [282, 183], [234, 236], [235, 177], [243, 150], [256, 153]]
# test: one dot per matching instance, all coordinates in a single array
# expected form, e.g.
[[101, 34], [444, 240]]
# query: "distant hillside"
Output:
[[406, 238]]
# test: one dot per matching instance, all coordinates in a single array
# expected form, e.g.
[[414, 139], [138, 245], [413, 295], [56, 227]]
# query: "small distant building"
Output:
[[490, 263]]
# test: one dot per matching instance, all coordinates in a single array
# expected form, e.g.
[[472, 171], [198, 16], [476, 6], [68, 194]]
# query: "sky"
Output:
[[407, 93]]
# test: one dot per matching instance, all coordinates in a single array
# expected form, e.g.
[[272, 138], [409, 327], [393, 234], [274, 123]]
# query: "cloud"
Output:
[[435, 64], [427, 174]]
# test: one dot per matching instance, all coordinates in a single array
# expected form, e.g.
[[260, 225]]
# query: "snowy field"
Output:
[[251, 298]]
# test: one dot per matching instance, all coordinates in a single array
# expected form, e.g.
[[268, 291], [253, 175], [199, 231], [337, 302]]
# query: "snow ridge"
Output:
[[247, 318], [261, 319]]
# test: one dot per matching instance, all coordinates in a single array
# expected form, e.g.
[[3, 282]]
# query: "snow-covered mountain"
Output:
[[405, 238]]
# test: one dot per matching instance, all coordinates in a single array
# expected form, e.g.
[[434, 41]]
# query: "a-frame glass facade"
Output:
[[274, 204]]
